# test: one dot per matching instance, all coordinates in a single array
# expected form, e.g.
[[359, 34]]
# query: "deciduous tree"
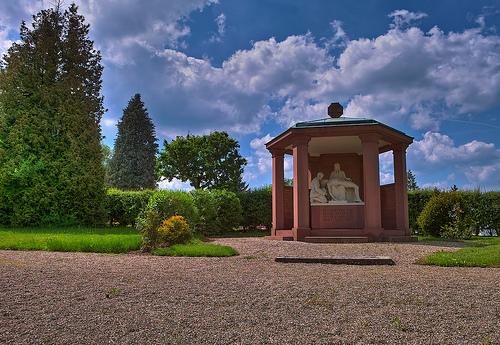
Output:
[[207, 161]]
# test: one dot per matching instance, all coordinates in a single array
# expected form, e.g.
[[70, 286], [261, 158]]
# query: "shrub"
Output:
[[148, 224], [257, 207], [218, 210], [162, 205], [174, 230], [123, 207], [417, 200], [438, 212]]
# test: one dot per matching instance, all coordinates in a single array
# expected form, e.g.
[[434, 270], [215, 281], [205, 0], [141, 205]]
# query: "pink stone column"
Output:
[[401, 188], [278, 191], [371, 184], [301, 226]]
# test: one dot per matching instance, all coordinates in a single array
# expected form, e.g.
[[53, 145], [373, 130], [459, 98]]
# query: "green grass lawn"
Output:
[[196, 248], [74, 239], [99, 240], [480, 252]]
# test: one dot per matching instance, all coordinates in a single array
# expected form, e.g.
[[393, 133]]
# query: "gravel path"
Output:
[[95, 298]]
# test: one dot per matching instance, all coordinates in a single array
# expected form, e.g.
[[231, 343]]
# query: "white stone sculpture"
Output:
[[339, 184], [318, 194]]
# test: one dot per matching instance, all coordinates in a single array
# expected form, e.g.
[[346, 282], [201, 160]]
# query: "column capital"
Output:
[[369, 137], [399, 147], [277, 152]]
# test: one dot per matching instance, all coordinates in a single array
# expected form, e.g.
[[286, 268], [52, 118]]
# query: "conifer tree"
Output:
[[412, 181], [51, 106], [134, 157]]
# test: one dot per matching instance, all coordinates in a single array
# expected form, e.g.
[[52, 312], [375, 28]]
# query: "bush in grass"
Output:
[[438, 212], [123, 207], [148, 224], [257, 207], [163, 205], [174, 230], [218, 211], [417, 199]]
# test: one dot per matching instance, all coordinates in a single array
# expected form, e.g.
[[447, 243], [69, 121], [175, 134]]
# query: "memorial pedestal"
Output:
[[337, 216]]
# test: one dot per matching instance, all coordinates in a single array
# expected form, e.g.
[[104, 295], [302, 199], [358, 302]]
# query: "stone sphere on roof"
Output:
[[335, 110]]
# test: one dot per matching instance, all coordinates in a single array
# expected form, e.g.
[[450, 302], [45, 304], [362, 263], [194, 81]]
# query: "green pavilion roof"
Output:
[[342, 121]]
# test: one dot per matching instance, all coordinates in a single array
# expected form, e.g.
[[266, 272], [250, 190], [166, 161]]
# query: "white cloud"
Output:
[[120, 27], [339, 37], [439, 149], [478, 161], [260, 163], [263, 156], [109, 122], [386, 167], [403, 76], [484, 174], [175, 184], [220, 20], [5, 42], [402, 18], [233, 97], [221, 23], [442, 185]]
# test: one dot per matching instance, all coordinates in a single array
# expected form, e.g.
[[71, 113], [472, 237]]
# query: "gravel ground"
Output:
[[249, 299]]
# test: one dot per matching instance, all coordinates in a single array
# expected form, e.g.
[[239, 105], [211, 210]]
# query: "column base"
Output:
[[374, 233], [299, 234]]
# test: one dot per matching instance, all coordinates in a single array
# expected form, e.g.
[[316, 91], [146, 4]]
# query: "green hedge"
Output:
[[477, 211], [123, 207], [218, 211], [257, 207], [170, 203], [482, 210]]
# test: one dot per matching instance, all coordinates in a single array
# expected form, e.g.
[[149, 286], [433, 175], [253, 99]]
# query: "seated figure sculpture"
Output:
[[339, 183], [317, 194]]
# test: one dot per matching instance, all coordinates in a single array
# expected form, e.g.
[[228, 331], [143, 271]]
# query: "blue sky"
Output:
[[253, 68]]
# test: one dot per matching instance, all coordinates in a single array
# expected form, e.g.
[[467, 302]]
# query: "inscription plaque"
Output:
[[337, 217]]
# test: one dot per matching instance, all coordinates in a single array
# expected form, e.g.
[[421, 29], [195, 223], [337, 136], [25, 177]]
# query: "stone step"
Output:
[[336, 239], [279, 238]]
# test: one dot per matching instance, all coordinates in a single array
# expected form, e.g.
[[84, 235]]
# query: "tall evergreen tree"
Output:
[[82, 109], [134, 157], [50, 96], [412, 181]]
